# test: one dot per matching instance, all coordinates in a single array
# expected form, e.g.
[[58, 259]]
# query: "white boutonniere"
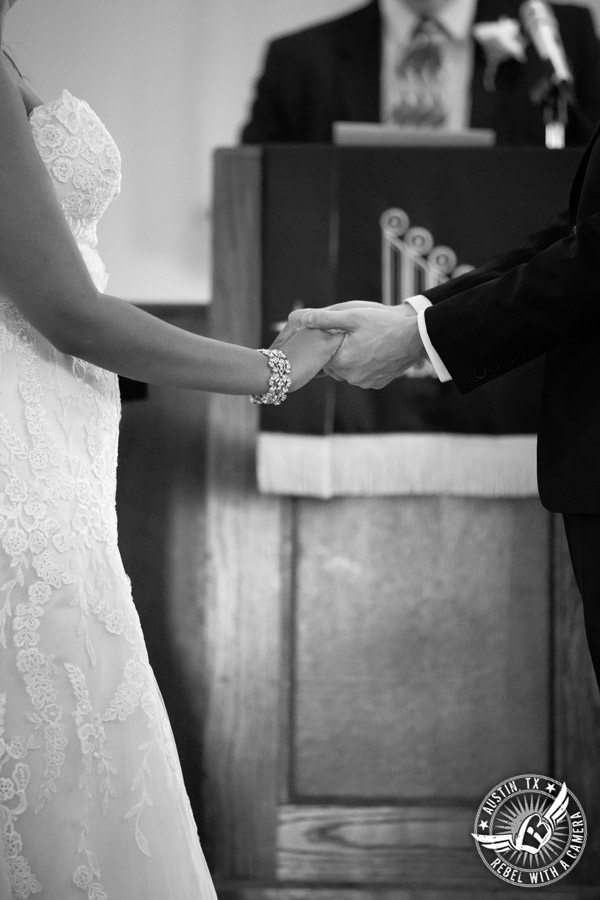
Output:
[[500, 40]]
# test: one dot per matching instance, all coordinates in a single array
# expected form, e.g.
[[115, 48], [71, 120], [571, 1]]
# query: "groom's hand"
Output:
[[294, 324], [294, 321], [381, 342]]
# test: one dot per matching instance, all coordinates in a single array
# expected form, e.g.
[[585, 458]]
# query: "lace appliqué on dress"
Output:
[[82, 158]]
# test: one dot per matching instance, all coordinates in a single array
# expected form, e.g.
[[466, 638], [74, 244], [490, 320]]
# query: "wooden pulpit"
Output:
[[373, 665]]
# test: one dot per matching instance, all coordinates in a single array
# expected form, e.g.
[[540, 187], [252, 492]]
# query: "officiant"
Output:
[[473, 52]]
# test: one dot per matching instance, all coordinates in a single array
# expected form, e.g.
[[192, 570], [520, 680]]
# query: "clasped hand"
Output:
[[376, 343]]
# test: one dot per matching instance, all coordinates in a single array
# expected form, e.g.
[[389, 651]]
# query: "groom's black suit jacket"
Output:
[[542, 298], [331, 72]]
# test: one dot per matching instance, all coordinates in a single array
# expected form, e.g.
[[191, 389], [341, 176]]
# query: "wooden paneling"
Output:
[[341, 892], [386, 845], [422, 636], [244, 572]]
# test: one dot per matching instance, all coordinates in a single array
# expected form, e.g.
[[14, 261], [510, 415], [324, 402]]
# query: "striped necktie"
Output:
[[420, 99]]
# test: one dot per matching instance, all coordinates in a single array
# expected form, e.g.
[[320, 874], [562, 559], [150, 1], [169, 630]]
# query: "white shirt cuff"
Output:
[[420, 303]]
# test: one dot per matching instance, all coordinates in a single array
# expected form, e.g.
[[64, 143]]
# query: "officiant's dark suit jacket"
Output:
[[331, 72], [542, 298]]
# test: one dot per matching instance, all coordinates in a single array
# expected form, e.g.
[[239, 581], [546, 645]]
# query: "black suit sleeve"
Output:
[[528, 305], [555, 231]]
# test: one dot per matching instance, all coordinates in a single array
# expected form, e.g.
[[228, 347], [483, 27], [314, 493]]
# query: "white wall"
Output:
[[172, 79]]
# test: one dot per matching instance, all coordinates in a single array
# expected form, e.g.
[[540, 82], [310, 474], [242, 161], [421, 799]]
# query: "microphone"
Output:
[[540, 24]]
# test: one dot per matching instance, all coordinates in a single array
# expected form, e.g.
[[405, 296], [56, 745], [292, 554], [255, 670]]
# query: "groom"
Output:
[[542, 298]]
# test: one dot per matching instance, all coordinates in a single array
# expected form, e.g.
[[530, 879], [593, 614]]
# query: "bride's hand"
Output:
[[308, 351]]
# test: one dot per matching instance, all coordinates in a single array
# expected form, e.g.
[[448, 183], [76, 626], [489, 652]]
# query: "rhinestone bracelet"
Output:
[[279, 382]]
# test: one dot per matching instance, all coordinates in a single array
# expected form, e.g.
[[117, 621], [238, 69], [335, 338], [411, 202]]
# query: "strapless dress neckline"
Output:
[[44, 103]]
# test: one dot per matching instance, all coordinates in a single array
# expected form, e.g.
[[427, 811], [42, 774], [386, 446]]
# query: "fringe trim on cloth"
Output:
[[395, 464]]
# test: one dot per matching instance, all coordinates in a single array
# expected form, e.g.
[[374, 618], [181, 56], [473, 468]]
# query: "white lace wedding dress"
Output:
[[92, 801]]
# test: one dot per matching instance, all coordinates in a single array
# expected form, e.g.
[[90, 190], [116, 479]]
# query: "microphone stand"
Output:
[[556, 98]]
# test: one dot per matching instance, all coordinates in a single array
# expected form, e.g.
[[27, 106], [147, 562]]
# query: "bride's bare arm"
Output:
[[43, 274]]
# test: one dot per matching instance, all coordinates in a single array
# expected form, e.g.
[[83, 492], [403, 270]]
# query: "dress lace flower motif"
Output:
[[62, 169]]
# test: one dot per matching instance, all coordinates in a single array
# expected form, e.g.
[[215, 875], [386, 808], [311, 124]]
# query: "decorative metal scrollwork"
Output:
[[413, 263]]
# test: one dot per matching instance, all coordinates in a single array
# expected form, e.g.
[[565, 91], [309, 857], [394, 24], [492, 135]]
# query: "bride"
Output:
[[92, 802]]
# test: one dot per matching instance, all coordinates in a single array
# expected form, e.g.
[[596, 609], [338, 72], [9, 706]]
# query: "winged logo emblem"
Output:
[[534, 832]]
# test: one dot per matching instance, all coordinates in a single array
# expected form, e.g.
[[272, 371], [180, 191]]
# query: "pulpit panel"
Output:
[[421, 666]]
